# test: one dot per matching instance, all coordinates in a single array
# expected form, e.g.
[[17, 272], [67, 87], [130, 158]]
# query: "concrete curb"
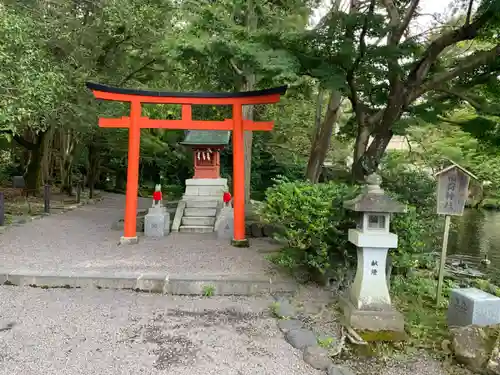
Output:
[[148, 282]]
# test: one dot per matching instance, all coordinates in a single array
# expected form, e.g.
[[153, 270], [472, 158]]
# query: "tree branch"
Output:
[[134, 72], [466, 32], [466, 65], [350, 74], [392, 11], [469, 12], [396, 37], [24, 143], [235, 67], [462, 96]]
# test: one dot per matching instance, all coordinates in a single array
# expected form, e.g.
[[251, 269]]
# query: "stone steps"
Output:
[[201, 204], [198, 221], [200, 212], [196, 228]]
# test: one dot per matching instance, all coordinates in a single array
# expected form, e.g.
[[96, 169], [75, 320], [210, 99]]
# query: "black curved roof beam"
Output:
[[281, 90]]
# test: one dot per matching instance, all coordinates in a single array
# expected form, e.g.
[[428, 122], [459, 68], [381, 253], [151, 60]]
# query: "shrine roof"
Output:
[[207, 138], [242, 94]]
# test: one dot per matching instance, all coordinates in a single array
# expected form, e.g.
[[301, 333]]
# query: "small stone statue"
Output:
[[157, 196]]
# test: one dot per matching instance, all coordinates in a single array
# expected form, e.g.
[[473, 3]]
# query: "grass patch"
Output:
[[208, 290], [415, 297]]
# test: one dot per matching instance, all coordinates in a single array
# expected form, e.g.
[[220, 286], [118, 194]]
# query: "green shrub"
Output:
[[412, 186], [315, 224], [314, 220], [417, 238], [420, 229]]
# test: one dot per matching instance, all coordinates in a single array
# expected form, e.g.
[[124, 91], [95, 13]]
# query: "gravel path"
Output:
[[82, 239], [69, 332]]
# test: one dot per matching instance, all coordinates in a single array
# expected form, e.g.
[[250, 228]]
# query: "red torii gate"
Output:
[[135, 122]]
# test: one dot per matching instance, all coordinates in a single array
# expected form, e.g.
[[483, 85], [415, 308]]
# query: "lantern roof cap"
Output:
[[374, 199]]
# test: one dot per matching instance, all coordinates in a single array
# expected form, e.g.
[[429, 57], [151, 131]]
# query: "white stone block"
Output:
[[369, 289], [200, 212], [192, 190], [473, 306], [206, 182], [224, 227], [156, 223]]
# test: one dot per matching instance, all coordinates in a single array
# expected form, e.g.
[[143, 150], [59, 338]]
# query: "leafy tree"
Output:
[[225, 38], [371, 55]]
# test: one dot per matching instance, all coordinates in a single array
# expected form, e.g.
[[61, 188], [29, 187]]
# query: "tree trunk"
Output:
[[323, 134], [360, 147], [32, 176], [67, 149], [121, 180], [93, 168], [47, 155], [33, 169]]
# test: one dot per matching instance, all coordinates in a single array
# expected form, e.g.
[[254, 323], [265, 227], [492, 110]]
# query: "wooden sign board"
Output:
[[453, 190]]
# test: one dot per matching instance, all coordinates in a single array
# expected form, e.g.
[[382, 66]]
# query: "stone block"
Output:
[[157, 223], [301, 338], [198, 221], [473, 306], [128, 240], [192, 190], [286, 325], [200, 212], [317, 357], [196, 229], [383, 324], [202, 203], [224, 227], [179, 212]]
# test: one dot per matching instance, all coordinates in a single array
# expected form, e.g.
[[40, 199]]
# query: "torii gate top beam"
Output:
[[267, 96]]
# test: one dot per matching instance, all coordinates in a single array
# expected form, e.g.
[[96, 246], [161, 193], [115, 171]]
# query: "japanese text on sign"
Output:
[[452, 192], [374, 270]]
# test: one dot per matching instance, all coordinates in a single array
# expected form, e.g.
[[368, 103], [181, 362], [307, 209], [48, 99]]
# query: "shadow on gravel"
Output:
[[170, 333]]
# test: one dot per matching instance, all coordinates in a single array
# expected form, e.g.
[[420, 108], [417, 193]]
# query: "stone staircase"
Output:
[[199, 216]]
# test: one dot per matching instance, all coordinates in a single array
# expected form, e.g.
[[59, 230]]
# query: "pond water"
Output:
[[476, 236]]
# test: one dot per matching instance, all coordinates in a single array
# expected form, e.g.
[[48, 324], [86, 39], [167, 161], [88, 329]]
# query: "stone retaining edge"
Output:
[[147, 282]]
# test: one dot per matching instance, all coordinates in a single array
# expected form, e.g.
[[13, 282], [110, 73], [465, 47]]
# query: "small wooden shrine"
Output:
[[206, 146]]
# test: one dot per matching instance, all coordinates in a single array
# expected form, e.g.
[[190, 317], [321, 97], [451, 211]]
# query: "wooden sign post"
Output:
[[452, 193]]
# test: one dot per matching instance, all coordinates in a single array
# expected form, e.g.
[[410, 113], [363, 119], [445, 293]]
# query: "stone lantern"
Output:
[[367, 308]]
